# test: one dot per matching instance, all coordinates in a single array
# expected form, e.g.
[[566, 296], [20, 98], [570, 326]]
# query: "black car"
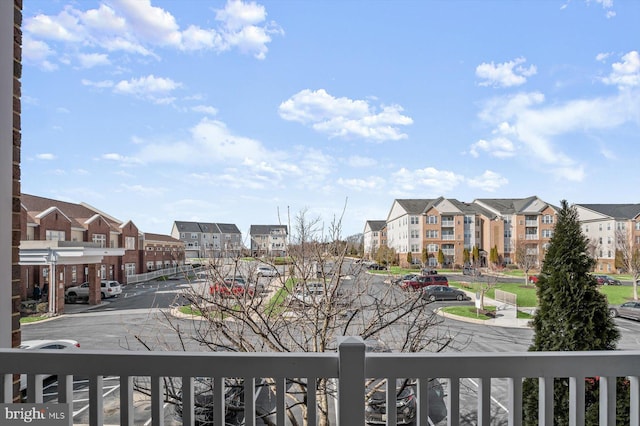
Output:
[[429, 271], [470, 270], [406, 402], [440, 292], [607, 280], [203, 402], [376, 267], [406, 397]]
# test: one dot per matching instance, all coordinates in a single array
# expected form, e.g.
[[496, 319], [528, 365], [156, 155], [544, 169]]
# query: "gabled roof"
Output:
[[615, 211], [187, 226], [414, 206], [228, 228], [508, 206], [376, 225], [78, 214], [266, 229]]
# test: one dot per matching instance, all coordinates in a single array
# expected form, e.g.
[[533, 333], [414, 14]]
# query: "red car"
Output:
[[417, 282], [533, 279], [231, 286]]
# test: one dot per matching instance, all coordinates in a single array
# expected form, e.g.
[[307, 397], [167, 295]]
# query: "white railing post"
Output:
[[608, 400], [576, 401], [634, 395], [545, 401], [515, 401], [351, 353]]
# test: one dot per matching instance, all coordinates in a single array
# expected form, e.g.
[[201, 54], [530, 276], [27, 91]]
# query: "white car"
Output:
[[107, 289], [35, 345], [266, 271]]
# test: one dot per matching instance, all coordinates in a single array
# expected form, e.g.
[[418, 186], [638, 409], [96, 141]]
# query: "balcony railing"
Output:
[[349, 366], [531, 236]]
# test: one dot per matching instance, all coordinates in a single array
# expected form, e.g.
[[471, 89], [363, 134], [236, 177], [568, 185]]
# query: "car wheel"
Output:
[[459, 298], [613, 313], [432, 298], [72, 297], [103, 296]]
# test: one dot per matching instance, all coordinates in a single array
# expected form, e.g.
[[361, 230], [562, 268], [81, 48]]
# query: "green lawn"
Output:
[[29, 320], [526, 296]]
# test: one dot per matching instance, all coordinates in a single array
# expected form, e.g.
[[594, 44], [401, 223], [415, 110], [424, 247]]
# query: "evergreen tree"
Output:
[[572, 314]]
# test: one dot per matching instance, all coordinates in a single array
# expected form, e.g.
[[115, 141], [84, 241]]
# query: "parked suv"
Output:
[[107, 289], [424, 281]]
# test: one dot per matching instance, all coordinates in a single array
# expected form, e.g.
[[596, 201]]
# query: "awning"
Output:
[[46, 252]]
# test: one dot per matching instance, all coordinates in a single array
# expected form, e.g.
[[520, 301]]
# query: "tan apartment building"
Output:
[[373, 237], [451, 226], [609, 228]]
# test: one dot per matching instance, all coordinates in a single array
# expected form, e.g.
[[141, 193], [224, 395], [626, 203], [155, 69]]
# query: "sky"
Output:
[[257, 112]]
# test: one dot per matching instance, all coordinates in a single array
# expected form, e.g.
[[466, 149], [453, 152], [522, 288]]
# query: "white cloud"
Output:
[[93, 59], [112, 156], [499, 147], [137, 27], [105, 84], [541, 129], [489, 181], [344, 117], [149, 87], [46, 156], [359, 161], [370, 183], [506, 74], [429, 179], [204, 109], [625, 73]]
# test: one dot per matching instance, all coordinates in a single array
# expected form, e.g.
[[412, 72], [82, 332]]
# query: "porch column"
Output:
[[94, 285]]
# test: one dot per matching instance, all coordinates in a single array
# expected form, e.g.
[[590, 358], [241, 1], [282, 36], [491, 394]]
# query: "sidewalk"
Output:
[[499, 321]]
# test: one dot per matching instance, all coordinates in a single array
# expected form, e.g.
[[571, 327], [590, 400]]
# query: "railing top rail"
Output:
[[505, 364], [270, 364], [129, 363]]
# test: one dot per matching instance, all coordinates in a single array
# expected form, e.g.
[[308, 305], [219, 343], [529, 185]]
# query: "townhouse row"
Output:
[[513, 227]]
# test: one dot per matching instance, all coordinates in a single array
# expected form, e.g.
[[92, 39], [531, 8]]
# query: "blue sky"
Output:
[[251, 112]]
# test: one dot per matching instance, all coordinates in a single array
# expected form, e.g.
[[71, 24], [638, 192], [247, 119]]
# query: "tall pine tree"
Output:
[[572, 314]]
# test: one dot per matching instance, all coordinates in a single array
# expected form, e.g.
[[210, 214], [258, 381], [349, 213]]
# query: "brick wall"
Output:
[[16, 220]]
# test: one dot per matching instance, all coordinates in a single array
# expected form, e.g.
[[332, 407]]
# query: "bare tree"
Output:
[[321, 297], [628, 258], [526, 258]]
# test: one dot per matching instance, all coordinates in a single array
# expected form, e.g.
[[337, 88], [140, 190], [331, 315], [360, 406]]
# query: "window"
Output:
[[129, 269], [432, 233], [638, 226], [586, 228], [54, 235], [507, 233], [547, 233], [415, 220], [74, 274], [600, 227], [415, 248], [101, 239], [431, 219], [621, 226], [432, 248], [608, 240], [600, 240], [547, 219], [415, 233], [130, 243]]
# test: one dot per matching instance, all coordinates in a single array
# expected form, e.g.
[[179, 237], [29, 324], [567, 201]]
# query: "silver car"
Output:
[[630, 310]]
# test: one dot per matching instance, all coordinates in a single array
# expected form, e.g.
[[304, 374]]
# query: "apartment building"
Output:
[[268, 240], [161, 251], [208, 240], [373, 237], [451, 226], [609, 228]]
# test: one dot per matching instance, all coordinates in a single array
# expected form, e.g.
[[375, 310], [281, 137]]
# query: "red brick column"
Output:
[[94, 285]]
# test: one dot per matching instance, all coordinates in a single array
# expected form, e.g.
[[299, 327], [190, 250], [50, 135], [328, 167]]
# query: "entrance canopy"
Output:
[[56, 253], [46, 252]]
